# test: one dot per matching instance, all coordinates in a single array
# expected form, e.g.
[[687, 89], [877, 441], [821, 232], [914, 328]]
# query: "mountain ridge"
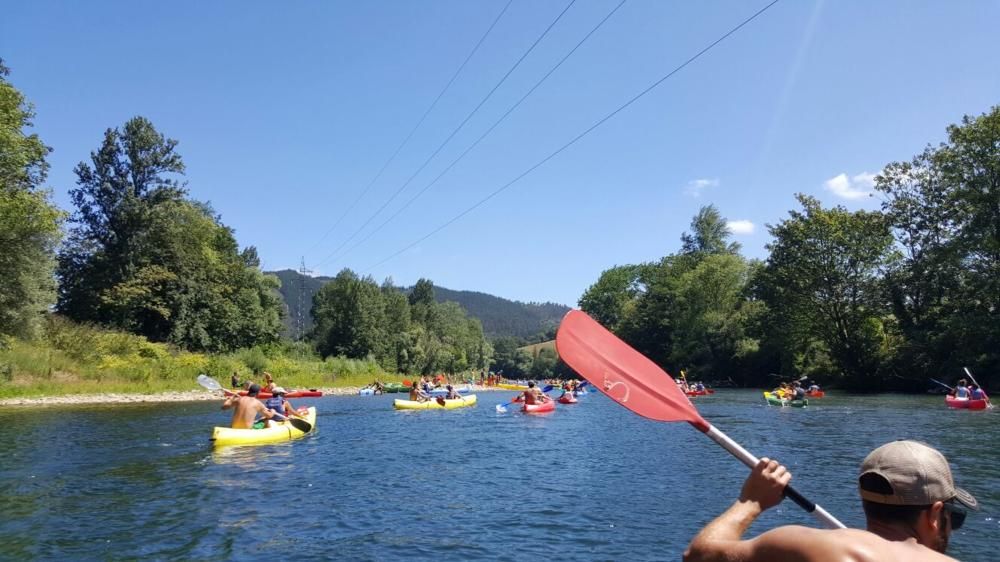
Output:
[[500, 317]]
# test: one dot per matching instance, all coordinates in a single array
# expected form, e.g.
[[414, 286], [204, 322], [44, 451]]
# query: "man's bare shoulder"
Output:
[[843, 545]]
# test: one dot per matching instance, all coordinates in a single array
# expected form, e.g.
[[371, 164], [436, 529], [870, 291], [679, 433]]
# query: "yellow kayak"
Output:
[[513, 386], [283, 431], [433, 404]]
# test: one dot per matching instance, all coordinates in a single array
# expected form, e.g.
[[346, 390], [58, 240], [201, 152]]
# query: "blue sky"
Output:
[[286, 111]]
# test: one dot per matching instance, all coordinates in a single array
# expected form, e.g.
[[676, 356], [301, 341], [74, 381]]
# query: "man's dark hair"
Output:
[[253, 390], [887, 513]]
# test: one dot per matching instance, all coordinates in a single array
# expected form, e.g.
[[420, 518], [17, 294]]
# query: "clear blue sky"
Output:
[[286, 111]]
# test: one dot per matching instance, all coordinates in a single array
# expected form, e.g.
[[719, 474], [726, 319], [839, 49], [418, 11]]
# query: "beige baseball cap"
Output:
[[918, 474]]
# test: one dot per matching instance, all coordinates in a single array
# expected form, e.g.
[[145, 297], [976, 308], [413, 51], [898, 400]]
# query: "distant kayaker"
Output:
[[417, 394], [534, 395], [281, 407], [246, 408], [976, 393], [452, 393], [798, 393], [910, 501], [268, 382], [961, 391]]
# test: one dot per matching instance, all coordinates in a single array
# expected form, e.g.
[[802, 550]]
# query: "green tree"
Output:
[[709, 234], [822, 282], [143, 258], [30, 225], [944, 206], [350, 317], [613, 296]]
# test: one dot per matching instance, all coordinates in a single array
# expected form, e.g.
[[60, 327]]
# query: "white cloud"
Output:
[[695, 187], [854, 188], [740, 227]]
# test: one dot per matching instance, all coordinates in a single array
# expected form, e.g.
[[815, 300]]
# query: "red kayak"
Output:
[[816, 394], [547, 406], [567, 399], [953, 402], [700, 392], [292, 394]]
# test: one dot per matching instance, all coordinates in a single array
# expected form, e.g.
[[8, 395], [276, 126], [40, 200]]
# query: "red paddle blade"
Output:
[[619, 371]]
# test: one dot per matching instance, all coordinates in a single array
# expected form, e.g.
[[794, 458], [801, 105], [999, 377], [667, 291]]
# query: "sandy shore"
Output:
[[186, 396]]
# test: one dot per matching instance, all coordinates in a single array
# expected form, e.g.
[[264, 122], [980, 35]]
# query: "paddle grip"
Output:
[[751, 461]]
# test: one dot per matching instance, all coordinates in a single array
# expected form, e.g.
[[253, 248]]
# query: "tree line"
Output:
[[864, 300], [138, 254]]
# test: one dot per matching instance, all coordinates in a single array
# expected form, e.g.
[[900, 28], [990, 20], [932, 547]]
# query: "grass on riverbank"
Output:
[[74, 359]]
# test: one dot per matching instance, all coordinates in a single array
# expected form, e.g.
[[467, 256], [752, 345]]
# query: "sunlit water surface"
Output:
[[588, 482]]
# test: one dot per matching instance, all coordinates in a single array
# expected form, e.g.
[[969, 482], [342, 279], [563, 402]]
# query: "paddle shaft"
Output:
[[751, 461], [942, 384]]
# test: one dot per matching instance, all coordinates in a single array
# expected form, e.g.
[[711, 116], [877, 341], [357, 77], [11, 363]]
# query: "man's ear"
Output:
[[935, 517]]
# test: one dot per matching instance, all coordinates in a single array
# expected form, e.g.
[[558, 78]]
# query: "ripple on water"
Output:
[[589, 482]]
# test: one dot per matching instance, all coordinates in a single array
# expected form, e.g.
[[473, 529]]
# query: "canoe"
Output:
[[547, 406], [469, 400], [291, 394], [953, 402], [512, 386], [773, 400], [816, 394], [567, 399], [366, 392], [700, 392], [444, 391], [395, 387], [283, 431]]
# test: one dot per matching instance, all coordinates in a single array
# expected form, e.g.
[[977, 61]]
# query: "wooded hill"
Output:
[[500, 317]]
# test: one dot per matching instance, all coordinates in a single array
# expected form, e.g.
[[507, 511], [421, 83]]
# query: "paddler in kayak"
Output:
[[246, 408], [417, 394], [452, 393], [910, 501], [534, 395], [281, 407], [961, 391]]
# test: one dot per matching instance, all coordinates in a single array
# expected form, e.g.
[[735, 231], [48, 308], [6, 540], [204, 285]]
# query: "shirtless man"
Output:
[[534, 394], [246, 408], [911, 506]]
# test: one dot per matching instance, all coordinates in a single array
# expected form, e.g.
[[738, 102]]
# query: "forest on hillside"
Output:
[[500, 317]]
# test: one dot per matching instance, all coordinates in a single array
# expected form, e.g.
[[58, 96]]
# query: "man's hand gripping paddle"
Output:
[[635, 382]]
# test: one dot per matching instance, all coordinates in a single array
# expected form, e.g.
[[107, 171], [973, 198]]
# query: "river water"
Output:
[[590, 481]]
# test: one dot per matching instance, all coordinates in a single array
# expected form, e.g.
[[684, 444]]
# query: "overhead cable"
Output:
[[414, 130], [450, 136], [576, 138]]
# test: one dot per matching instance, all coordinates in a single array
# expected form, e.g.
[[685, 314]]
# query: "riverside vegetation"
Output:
[[141, 287]]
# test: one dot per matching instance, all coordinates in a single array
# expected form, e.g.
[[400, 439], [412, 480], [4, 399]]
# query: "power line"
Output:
[[488, 131], [576, 138], [414, 130], [453, 133]]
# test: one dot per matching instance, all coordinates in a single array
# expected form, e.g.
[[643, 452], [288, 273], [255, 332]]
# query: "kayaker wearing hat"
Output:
[[281, 407], [246, 408], [911, 506]]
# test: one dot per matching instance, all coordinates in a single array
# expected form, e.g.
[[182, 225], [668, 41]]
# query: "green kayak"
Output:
[[773, 400]]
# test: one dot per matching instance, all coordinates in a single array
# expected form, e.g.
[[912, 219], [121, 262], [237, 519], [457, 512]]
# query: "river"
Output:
[[590, 481]]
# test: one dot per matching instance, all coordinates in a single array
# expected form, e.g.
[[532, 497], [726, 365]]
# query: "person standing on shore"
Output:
[[910, 501], [235, 380], [246, 408]]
